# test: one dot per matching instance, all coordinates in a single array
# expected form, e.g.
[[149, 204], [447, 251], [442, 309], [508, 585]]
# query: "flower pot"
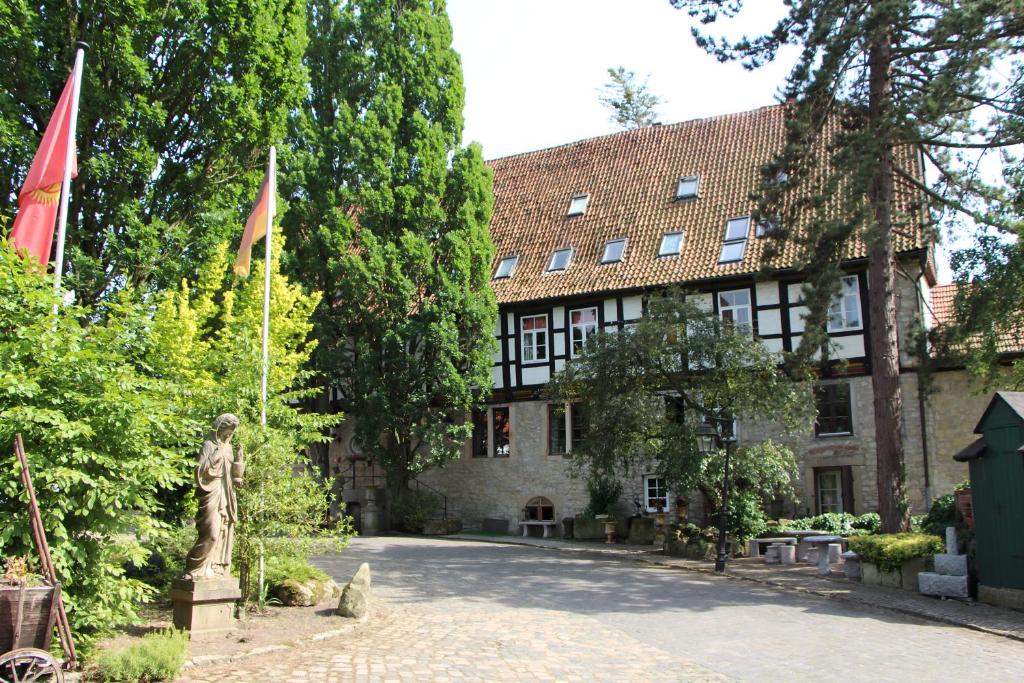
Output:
[[609, 530]]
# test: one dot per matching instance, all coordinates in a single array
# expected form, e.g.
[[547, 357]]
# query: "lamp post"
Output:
[[712, 437]]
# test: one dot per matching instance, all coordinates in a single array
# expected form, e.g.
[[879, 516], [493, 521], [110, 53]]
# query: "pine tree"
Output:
[[179, 102], [632, 104], [393, 226], [877, 80]]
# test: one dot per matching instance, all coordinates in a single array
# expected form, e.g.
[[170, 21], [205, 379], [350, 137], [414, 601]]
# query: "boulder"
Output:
[[356, 596], [292, 593]]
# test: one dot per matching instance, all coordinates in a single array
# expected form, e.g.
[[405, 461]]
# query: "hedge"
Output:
[[890, 551]]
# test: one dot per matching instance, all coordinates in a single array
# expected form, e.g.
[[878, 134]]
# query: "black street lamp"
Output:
[[710, 438]]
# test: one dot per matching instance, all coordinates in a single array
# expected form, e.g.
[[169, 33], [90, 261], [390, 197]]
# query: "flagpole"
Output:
[[271, 201], [65, 186]]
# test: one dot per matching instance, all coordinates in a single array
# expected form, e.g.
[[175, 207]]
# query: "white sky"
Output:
[[533, 68]]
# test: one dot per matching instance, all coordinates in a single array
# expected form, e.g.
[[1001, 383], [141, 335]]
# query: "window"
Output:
[[735, 242], [833, 404], [844, 313], [560, 260], [766, 226], [534, 338], [505, 267], [671, 244], [539, 509], [578, 205], [582, 325], [687, 187], [734, 308], [613, 250], [675, 408], [578, 424], [557, 432], [833, 489], [501, 432], [479, 434], [655, 493]]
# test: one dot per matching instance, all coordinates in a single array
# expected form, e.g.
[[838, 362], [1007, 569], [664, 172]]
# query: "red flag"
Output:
[[40, 195], [256, 226]]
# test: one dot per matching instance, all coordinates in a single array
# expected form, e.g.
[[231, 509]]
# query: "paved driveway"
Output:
[[457, 610]]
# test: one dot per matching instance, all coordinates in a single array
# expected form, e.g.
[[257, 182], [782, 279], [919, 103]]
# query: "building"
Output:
[[582, 231]]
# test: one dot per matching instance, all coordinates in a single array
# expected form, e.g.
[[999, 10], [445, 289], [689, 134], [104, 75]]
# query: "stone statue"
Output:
[[217, 475]]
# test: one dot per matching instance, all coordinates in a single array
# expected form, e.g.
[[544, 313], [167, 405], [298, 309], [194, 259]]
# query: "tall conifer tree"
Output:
[[393, 226], [876, 81]]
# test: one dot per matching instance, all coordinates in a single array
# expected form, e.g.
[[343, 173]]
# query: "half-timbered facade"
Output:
[[584, 231]]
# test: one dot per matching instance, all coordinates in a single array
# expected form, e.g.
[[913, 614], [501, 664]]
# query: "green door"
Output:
[[997, 484]]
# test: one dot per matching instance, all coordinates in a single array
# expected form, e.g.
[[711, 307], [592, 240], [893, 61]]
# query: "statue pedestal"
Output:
[[205, 606]]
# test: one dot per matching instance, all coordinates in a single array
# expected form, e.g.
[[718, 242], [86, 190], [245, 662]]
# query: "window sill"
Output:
[[531, 363], [832, 435]]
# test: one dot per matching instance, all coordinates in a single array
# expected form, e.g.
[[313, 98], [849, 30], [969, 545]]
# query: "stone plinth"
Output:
[[942, 585], [205, 606], [951, 565]]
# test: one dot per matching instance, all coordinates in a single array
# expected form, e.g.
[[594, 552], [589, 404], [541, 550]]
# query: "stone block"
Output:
[[641, 531], [835, 552], [753, 548], [355, 598], [851, 565], [910, 570], [771, 555], [787, 554], [205, 606], [951, 565], [930, 583], [491, 525], [872, 575]]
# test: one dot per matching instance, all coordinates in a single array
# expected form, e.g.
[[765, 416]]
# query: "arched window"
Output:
[[540, 509]]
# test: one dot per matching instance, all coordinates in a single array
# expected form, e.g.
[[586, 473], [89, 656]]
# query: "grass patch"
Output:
[[158, 657]]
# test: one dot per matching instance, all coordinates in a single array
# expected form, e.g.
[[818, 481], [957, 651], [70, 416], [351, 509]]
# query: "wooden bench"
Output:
[[754, 544], [546, 525]]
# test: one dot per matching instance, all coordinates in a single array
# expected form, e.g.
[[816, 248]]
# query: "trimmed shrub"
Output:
[[279, 569], [157, 658], [890, 551], [414, 510]]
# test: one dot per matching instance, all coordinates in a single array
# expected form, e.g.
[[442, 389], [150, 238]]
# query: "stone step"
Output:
[[951, 565], [942, 585]]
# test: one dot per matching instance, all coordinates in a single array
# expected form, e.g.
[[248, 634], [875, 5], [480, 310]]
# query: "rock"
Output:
[[942, 585], [356, 596], [292, 593], [332, 589]]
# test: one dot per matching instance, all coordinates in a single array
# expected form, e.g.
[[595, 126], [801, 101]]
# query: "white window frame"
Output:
[[568, 260], [578, 204], [728, 242], [664, 238], [647, 493], [737, 307], [512, 261], [529, 348], [839, 305], [583, 328], [622, 253], [695, 179]]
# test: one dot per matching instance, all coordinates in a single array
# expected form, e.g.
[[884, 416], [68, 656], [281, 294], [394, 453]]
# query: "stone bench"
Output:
[[754, 544], [547, 525]]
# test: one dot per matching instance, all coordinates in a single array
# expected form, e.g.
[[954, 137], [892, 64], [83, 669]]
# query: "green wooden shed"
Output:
[[996, 463]]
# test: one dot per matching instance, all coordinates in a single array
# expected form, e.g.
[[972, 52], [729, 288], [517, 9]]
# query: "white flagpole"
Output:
[[65, 187], [271, 202]]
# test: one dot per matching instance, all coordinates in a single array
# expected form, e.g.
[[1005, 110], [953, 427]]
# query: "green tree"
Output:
[[393, 225], [207, 340], [651, 388], [178, 101], [631, 103], [878, 85]]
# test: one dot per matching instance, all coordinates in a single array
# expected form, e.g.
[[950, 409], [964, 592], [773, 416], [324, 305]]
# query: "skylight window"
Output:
[[613, 250], [578, 205], [560, 260], [735, 242], [671, 244], [505, 267], [687, 187]]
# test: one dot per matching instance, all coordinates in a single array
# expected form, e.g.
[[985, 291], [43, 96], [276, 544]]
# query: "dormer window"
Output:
[[560, 260], [505, 267], [735, 242], [671, 244], [613, 250], [687, 187], [578, 205]]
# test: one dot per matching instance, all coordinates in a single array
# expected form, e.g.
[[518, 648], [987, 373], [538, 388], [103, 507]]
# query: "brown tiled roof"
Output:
[[631, 179], [1011, 338], [943, 296]]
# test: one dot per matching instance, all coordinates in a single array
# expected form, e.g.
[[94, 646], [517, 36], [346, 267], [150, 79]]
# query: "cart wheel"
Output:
[[29, 665]]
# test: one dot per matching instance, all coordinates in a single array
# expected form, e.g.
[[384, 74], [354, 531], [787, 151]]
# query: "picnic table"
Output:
[[822, 543]]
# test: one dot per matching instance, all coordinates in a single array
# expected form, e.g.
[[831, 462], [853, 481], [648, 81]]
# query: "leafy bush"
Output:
[[604, 494], [840, 523], [157, 658], [870, 522], [277, 569], [890, 551], [414, 510], [167, 557], [746, 516]]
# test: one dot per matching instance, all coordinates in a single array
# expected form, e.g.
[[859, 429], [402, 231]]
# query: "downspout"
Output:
[[921, 401]]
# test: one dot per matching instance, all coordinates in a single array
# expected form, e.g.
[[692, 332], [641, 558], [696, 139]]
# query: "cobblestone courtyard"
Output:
[[457, 610]]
